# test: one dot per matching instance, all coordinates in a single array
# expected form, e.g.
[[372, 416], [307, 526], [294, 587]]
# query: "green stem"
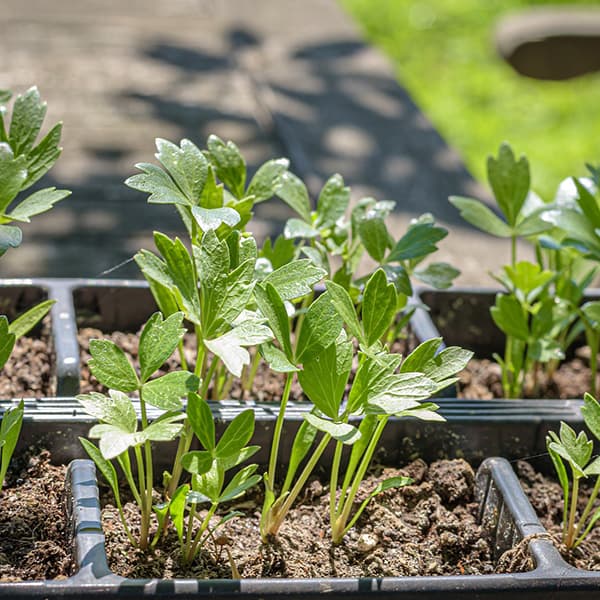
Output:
[[274, 521], [278, 427], [335, 467], [147, 507], [249, 382], [572, 513], [593, 340], [586, 513], [197, 543], [338, 529]]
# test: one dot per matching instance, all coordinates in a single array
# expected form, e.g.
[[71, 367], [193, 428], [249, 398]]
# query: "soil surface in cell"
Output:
[[267, 385], [546, 497], [29, 371], [34, 540], [482, 379], [426, 528]]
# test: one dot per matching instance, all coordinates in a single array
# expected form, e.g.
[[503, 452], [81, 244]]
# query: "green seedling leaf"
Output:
[[7, 341], [104, 466], [37, 203], [197, 462], [212, 218], [5, 96], [293, 192], [324, 377], [230, 347], [186, 165], [333, 202], [593, 468], [396, 393], [279, 253], [167, 391], [510, 317], [164, 429], [320, 328], [342, 432], [41, 158], [424, 412], [237, 435], [379, 306], [13, 172], [229, 462], [177, 509], [295, 228], [241, 482], [510, 182], [267, 180], [592, 311], [374, 237], [158, 341], [419, 241], [295, 279], [345, 307], [158, 184], [528, 278], [272, 307], [201, 420], [10, 237], [114, 440], [239, 286], [210, 483], [303, 442], [110, 366], [228, 163], [212, 194], [28, 320], [10, 428], [587, 203], [276, 359], [27, 118], [479, 215], [114, 409], [591, 414], [439, 367], [559, 465], [439, 275], [181, 271]]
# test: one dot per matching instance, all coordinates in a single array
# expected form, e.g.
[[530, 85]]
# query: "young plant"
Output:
[[576, 450], [378, 391], [541, 314], [208, 469], [22, 163], [213, 284], [118, 430], [329, 238]]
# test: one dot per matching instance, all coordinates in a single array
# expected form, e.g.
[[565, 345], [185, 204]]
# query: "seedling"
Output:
[[208, 468], [576, 450], [329, 238], [118, 429], [381, 388], [213, 285], [22, 163], [541, 313]]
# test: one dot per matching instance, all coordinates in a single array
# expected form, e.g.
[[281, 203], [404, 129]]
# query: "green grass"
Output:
[[444, 55]]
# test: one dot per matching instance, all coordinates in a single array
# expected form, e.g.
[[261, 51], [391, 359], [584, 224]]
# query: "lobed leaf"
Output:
[[267, 180], [158, 340], [110, 366]]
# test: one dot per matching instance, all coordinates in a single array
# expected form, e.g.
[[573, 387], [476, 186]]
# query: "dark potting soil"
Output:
[[546, 497], [482, 379], [268, 385], [34, 539], [427, 528], [29, 370]]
